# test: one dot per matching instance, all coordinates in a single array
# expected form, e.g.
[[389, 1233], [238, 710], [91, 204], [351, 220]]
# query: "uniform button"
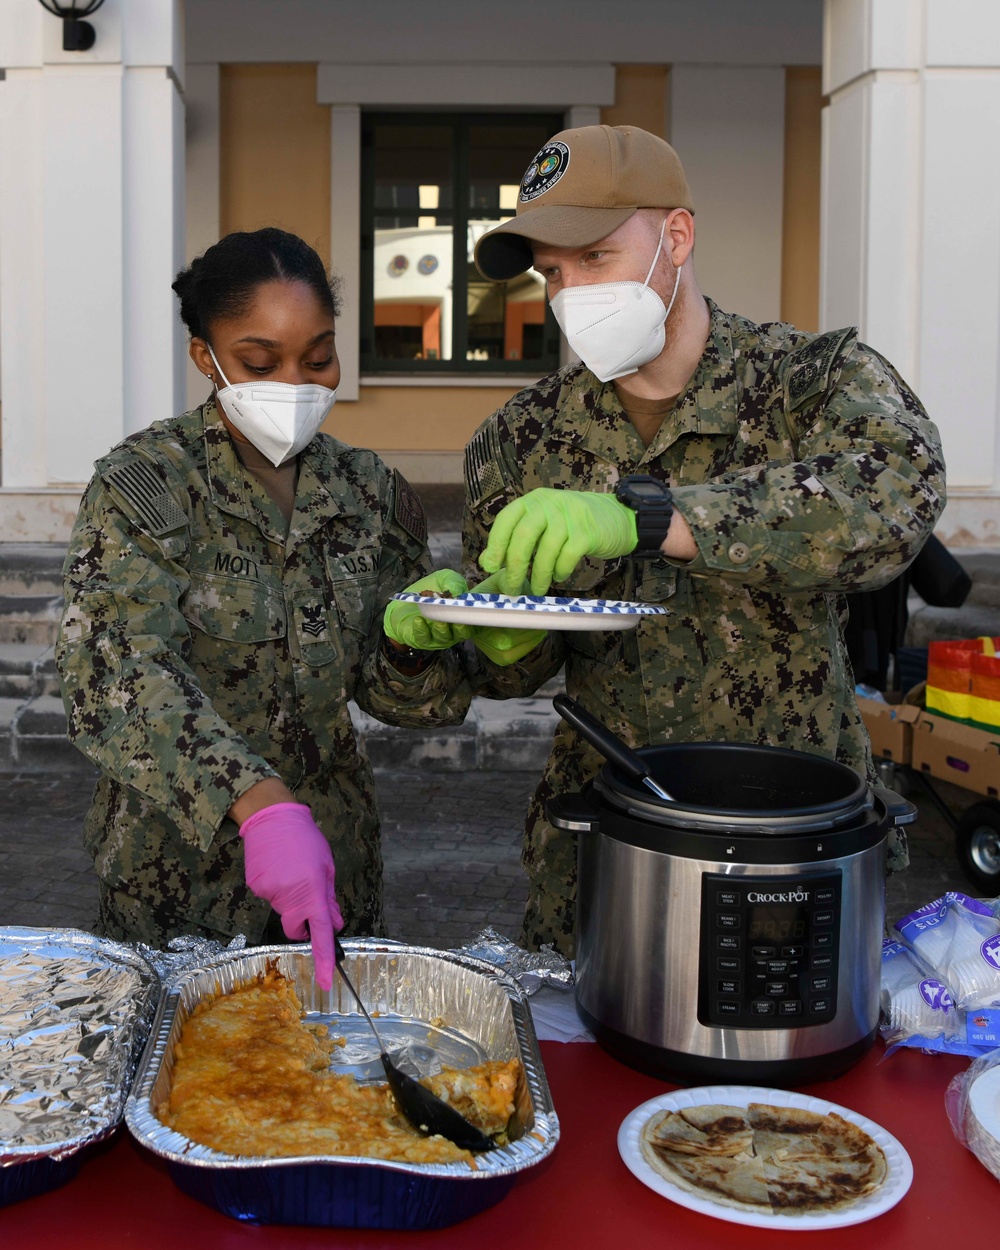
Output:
[[739, 553]]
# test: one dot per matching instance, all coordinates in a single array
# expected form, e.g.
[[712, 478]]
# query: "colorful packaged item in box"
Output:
[[963, 681]]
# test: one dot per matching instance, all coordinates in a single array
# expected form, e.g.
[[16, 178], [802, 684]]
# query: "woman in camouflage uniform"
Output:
[[224, 592]]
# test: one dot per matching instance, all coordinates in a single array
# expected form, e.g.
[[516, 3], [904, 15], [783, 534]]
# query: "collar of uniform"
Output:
[[235, 491], [708, 404], [323, 492], [592, 417]]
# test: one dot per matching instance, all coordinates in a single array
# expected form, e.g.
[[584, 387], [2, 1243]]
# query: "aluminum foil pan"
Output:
[[478, 1012], [74, 1013]]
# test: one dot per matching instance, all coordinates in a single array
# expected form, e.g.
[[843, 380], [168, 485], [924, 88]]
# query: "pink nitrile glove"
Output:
[[288, 861]]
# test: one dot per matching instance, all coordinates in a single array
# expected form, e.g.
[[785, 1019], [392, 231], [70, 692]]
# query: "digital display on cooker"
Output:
[[769, 950], [777, 922]]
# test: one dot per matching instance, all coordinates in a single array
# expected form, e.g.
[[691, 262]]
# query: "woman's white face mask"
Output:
[[615, 327], [279, 418]]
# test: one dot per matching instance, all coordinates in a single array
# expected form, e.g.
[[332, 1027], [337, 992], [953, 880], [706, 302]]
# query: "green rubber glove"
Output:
[[406, 624], [552, 531], [503, 645]]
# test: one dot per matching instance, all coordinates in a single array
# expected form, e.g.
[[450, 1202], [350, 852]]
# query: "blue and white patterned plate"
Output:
[[532, 611]]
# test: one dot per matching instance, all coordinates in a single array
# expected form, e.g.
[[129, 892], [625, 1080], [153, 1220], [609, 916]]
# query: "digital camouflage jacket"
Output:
[[201, 651], [805, 468]]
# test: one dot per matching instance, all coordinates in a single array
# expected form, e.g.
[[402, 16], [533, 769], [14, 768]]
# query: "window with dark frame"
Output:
[[431, 184]]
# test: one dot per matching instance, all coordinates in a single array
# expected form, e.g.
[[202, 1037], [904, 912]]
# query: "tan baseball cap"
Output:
[[581, 186]]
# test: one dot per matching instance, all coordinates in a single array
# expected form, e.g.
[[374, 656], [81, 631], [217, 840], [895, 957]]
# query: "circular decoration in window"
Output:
[[427, 264], [398, 265]]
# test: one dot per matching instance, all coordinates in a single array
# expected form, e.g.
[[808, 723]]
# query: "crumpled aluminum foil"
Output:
[[183, 953], [74, 1013], [531, 969]]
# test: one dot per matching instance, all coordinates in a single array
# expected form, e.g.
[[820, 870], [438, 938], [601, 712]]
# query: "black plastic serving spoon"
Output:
[[609, 744], [428, 1114]]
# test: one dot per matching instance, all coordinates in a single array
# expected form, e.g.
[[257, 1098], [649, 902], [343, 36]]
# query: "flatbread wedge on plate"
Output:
[[773, 1160]]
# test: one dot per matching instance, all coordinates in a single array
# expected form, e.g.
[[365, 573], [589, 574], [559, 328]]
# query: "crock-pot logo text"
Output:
[[783, 896]]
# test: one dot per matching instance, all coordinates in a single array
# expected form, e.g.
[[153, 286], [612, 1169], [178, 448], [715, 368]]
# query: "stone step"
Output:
[[30, 618], [984, 569], [33, 738], [929, 624], [27, 669], [31, 568], [500, 736]]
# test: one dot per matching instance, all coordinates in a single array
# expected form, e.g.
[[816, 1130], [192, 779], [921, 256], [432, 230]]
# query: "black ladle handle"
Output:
[[426, 1112], [609, 744]]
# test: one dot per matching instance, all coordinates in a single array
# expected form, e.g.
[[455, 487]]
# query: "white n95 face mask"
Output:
[[615, 327], [279, 418]]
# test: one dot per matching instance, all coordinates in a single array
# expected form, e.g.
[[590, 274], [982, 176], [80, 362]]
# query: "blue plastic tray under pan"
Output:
[[470, 997]]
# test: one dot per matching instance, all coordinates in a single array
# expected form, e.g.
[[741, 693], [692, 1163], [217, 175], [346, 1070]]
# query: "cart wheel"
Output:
[[977, 841]]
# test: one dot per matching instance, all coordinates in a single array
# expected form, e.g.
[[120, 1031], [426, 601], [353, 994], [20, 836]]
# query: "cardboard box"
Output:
[[957, 753], [890, 727]]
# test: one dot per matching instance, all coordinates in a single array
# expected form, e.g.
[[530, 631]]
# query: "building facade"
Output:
[[840, 155]]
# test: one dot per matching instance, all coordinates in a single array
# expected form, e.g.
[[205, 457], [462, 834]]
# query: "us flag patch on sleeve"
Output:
[[139, 485], [408, 510], [483, 476]]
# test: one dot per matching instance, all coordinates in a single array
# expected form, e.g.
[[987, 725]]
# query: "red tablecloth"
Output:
[[582, 1196]]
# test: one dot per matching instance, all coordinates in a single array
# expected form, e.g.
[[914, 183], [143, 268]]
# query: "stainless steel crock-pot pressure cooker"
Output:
[[733, 932]]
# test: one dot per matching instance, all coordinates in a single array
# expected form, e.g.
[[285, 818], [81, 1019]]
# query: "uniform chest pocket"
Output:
[[236, 609], [354, 587]]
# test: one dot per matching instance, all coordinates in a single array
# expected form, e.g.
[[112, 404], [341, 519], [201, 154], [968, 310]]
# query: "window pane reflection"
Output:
[[438, 186], [413, 242], [506, 319]]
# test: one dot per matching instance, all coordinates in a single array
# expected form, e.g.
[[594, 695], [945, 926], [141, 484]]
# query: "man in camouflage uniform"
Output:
[[801, 467], [209, 643]]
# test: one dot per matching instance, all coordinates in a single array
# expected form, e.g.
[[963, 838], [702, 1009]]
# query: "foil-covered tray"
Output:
[[440, 1005], [74, 1013]]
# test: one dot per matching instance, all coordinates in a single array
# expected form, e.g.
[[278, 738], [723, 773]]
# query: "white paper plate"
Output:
[[983, 1121], [532, 611], [897, 1181]]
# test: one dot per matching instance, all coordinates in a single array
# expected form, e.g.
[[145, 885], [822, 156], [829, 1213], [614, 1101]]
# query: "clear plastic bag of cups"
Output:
[[941, 977]]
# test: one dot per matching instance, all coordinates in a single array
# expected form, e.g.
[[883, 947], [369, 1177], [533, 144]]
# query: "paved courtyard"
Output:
[[451, 844]]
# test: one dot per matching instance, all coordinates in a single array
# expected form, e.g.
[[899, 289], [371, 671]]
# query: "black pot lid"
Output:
[[740, 786]]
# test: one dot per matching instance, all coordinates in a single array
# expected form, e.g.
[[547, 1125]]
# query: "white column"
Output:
[[22, 277], [202, 192], [91, 199], [578, 115], [345, 238], [728, 126], [910, 246]]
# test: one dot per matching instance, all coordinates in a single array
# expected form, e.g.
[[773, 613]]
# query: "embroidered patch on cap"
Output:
[[544, 171]]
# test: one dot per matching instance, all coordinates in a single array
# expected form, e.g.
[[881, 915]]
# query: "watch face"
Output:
[[646, 491]]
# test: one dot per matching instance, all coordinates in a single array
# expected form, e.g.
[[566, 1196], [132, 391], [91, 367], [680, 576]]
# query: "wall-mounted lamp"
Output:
[[78, 35]]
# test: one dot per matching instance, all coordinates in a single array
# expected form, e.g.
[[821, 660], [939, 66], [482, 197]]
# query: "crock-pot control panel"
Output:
[[769, 950]]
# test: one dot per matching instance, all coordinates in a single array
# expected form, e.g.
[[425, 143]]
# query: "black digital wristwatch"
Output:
[[652, 504]]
